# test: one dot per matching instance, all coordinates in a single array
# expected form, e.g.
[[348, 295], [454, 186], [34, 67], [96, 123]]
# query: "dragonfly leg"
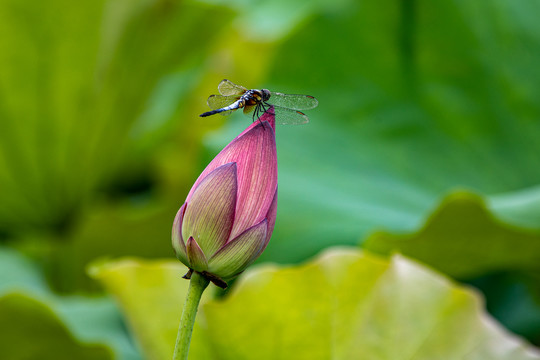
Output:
[[257, 112], [263, 108]]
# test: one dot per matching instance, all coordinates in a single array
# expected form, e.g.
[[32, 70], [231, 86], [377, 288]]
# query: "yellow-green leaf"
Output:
[[344, 305], [463, 239]]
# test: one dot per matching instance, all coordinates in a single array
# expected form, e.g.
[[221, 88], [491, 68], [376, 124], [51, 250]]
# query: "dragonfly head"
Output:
[[265, 94]]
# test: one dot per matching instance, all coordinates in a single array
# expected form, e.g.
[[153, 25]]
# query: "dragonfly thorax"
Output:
[[255, 97]]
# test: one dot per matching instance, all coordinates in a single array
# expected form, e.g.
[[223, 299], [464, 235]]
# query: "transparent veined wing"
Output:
[[293, 101], [285, 116], [249, 109], [227, 87], [219, 101]]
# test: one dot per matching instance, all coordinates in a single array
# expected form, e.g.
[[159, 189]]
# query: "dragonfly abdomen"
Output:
[[235, 105]]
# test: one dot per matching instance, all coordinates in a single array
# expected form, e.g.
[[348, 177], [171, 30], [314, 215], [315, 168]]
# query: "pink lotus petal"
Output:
[[239, 253], [196, 257], [210, 211], [177, 241], [271, 218], [254, 152]]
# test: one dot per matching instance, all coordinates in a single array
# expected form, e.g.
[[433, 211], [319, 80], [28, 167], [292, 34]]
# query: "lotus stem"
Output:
[[197, 285]]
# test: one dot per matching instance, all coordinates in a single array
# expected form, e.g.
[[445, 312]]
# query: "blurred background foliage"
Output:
[[426, 139]]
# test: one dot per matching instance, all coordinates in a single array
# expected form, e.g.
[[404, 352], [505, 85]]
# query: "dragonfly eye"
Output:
[[265, 94]]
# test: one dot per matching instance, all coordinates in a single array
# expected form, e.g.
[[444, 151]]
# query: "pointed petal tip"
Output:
[[240, 252], [196, 257], [265, 122], [187, 276], [221, 169], [269, 116], [232, 166]]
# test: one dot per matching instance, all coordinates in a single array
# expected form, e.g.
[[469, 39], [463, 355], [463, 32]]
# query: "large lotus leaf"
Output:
[[520, 208], [343, 305], [30, 330], [96, 320], [151, 294], [416, 99], [66, 322], [105, 229], [463, 239], [18, 273], [271, 20], [81, 84]]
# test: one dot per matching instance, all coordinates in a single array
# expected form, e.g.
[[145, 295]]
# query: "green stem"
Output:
[[196, 287]]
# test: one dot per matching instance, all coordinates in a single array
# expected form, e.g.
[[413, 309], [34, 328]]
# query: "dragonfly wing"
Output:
[[293, 101], [227, 88], [249, 109], [220, 101], [285, 116]]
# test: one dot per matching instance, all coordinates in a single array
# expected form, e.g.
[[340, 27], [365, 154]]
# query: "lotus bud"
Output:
[[230, 212]]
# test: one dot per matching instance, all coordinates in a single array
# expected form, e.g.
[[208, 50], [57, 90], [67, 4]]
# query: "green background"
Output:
[[425, 142]]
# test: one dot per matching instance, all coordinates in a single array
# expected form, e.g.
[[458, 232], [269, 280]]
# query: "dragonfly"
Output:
[[286, 106]]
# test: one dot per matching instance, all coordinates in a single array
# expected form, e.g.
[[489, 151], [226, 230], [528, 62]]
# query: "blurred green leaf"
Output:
[[345, 304], [66, 321], [88, 93], [106, 229], [30, 330], [20, 274], [463, 239], [348, 305], [272, 20], [97, 320], [78, 97], [520, 207], [416, 99]]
